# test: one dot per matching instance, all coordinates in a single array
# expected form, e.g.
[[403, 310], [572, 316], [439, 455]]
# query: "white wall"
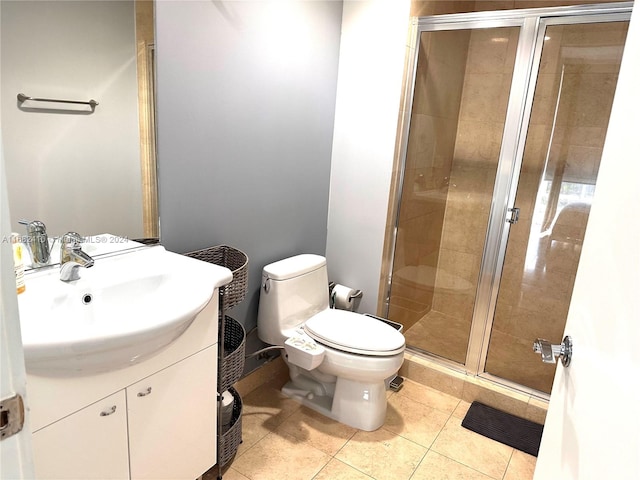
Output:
[[72, 171], [372, 53], [591, 398]]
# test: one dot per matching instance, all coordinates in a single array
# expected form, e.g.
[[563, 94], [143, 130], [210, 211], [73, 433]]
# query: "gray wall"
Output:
[[246, 102]]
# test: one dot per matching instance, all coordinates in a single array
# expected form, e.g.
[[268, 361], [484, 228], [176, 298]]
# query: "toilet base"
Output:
[[357, 404]]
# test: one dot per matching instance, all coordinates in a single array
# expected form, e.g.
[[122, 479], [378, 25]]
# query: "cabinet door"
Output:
[[172, 420], [89, 444]]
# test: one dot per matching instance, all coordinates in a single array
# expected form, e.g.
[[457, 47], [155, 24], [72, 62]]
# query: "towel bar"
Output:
[[23, 98]]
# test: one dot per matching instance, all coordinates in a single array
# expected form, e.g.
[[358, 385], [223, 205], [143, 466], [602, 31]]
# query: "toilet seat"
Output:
[[354, 333]]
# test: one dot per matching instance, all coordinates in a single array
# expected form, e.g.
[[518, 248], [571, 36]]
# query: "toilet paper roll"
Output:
[[226, 407], [343, 297]]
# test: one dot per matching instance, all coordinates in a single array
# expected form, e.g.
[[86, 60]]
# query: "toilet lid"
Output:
[[354, 332]]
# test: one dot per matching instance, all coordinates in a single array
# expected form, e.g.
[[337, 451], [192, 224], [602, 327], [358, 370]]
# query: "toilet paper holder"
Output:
[[354, 295]]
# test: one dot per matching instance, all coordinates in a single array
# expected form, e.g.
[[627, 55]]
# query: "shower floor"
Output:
[[440, 334]]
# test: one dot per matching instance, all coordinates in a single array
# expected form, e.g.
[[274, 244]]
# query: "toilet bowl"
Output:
[[338, 360]]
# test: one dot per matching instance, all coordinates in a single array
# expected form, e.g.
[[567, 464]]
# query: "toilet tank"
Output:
[[292, 290]]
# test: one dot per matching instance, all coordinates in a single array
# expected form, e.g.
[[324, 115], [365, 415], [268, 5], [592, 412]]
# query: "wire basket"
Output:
[[236, 261], [232, 364], [231, 438]]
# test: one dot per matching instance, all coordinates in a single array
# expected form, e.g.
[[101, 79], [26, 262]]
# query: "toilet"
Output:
[[338, 360]]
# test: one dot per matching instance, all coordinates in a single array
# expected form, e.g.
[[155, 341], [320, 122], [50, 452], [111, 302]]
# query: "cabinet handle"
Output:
[[105, 413], [145, 393]]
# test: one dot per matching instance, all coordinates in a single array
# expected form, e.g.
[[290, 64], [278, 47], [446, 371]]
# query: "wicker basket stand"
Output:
[[231, 344]]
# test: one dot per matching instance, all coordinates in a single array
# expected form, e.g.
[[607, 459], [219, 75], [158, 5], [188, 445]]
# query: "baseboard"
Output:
[[273, 371]]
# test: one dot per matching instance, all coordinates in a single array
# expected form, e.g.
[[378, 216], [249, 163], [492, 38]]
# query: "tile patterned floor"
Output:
[[422, 439]]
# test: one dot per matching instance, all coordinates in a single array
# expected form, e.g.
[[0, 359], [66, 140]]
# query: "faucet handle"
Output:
[[35, 226], [71, 237], [69, 242], [38, 242], [71, 251]]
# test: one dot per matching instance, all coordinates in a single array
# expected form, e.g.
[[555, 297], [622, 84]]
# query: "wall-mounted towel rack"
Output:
[[22, 98]]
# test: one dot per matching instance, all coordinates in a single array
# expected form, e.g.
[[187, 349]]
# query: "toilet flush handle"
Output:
[[265, 285]]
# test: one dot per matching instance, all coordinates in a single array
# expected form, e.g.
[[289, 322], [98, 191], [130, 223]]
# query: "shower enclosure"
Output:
[[507, 115]]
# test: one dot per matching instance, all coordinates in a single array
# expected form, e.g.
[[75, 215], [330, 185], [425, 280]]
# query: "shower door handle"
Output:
[[549, 352], [514, 215]]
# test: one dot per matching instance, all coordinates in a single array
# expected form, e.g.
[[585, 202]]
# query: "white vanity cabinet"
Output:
[[172, 420], [124, 386], [167, 421], [90, 444]]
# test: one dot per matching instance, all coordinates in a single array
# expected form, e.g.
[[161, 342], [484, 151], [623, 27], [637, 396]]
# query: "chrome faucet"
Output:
[[72, 257], [37, 243]]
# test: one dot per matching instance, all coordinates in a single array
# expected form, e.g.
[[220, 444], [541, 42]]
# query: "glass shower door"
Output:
[[461, 92], [574, 91]]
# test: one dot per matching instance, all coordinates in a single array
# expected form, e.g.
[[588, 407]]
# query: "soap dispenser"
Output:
[[18, 265], [37, 242]]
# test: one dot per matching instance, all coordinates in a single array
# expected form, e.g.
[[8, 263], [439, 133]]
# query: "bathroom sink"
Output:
[[121, 311]]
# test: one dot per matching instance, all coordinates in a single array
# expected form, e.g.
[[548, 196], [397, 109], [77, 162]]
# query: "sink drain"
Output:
[[87, 298]]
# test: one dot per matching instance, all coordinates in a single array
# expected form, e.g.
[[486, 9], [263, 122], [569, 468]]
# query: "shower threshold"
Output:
[[452, 379]]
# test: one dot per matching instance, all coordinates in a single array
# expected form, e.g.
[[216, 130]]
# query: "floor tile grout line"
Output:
[[445, 424], [399, 392], [345, 444], [293, 411], [420, 462], [457, 461], [469, 466], [283, 435], [410, 440], [513, 450], [350, 466], [392, 433], [256, 442], [429, 447], [321, 468], [270, 415]]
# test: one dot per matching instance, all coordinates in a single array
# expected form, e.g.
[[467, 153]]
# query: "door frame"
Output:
[[532, 23], [16, 457]]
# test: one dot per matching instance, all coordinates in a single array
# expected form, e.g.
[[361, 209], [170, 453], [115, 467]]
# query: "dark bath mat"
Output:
[[503, 427]]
